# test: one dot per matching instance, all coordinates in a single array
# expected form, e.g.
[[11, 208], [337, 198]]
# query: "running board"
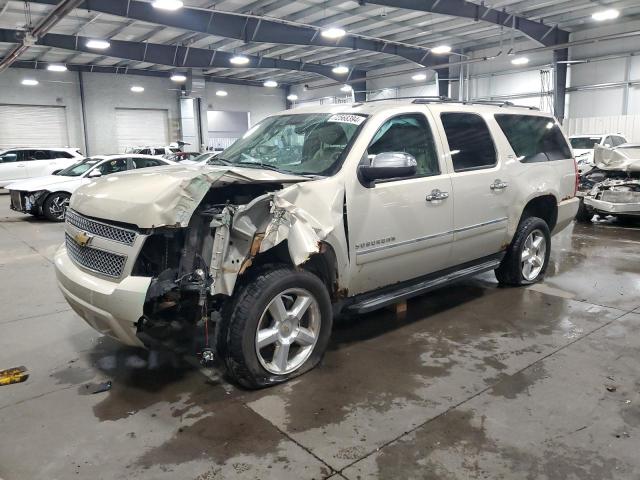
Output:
[[370, 302]]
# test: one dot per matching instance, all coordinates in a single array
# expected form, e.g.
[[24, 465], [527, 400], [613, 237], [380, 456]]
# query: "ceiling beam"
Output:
[[33, 65], [546, 35], [172, 55], [244, 27]]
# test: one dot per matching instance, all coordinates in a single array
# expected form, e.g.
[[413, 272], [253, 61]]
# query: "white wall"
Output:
[[106, 92], [258, 101], [55, 89]]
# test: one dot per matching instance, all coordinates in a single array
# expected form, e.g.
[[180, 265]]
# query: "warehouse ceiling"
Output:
[[403, 33]]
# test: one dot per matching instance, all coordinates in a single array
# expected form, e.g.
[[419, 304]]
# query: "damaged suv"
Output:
[[612, 187], [317, 211]]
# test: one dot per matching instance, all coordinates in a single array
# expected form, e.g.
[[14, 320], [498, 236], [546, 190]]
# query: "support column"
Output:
[[359, 91], [442, 76], [560, 83]]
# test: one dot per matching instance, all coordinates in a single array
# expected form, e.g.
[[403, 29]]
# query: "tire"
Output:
[[584, 215], [55, 206], [512, 269], [251, 310]]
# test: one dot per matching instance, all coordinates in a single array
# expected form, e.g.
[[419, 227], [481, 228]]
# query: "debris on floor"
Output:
[[92, 388], [13, 375]]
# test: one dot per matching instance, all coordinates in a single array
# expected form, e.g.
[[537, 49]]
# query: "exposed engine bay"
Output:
[[219, 231]]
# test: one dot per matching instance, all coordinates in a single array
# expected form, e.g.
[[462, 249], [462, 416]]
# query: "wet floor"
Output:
[[476, 381]]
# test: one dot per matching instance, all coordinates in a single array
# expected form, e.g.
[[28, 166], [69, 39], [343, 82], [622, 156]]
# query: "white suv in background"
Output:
[[313, 212], [29, 162], [584, 145]]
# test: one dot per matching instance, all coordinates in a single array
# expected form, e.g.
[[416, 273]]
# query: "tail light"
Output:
[[577, 173]]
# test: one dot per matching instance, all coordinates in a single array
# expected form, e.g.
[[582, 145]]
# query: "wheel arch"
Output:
[[542, 206]]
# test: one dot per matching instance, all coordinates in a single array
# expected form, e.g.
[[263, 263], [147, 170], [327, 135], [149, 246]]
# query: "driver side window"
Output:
[[408, 134]]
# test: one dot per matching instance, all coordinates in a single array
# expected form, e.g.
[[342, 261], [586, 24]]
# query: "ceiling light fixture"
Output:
[[292, 98], [137, 89], [178, 77], [340, 70], [520, 61], [30, 82], [221, 93], [239, 60], [270, 83], [333, 32], [419, 77], [606, 15], [57, 68], [171, 5], [98, 44], [346, 88], [441, 49]]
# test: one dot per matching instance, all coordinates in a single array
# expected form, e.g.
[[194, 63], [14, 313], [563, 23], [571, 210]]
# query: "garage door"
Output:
[[141, 127], [27, 125]]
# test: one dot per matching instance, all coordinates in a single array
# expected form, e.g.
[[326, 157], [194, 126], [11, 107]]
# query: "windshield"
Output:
[[79, 168], [302, 143], [584, 143]]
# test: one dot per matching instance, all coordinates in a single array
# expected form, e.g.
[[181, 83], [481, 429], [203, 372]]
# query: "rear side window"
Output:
[[469, 140], [146, 162], [60, 154], [534, 139]]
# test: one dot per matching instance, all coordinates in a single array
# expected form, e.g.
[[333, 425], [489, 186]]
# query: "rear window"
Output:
[[534, 139], [470, 141]]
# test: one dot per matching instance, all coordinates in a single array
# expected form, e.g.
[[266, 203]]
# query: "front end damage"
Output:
[[613, 186], [201, 238]]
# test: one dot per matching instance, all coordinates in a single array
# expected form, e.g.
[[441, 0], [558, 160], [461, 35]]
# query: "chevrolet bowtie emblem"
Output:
[[83, 238]]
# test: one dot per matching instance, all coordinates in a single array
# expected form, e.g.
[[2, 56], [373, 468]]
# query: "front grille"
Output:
[[106, 263], [117, 234], [16, 200]]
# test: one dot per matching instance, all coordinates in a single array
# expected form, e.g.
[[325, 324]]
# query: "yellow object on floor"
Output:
[[13, 375]]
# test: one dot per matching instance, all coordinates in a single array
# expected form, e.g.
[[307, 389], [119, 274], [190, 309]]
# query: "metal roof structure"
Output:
[[281, 37]]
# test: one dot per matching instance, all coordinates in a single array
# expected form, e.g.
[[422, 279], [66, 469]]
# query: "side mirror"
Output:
[[388, 165], [95, 173], [608, 145]]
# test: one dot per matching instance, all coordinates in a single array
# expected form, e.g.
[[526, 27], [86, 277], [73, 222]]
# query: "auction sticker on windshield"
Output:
[[347, 118]]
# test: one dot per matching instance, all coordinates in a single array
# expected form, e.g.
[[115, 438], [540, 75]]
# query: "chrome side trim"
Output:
[[478, 225], [428, 237], [402, 243]]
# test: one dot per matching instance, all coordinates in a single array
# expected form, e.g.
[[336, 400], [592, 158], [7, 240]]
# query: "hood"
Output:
[[162, 196], [624, 159], [581, 151], [40, 183]]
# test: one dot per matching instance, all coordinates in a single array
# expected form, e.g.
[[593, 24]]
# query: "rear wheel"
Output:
[[277, 327], [528, 255], [55, 206]]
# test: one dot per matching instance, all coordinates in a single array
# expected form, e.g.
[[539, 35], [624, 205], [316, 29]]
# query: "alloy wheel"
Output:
[[533, 255], [288, 331]]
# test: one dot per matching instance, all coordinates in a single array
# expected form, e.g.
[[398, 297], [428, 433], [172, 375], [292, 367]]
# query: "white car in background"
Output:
[[583, 146], [28, 162], [157, 152], [49, 195]]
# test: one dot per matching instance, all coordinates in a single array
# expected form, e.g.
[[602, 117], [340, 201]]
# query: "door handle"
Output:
[[498, 185], [20, 165], [436, 195]]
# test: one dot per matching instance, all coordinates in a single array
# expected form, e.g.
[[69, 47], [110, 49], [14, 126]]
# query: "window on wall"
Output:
[[533, 138], [409, 134], [469, 140]]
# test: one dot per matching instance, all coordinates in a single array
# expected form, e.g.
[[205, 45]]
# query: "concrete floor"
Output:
[[476, 382]]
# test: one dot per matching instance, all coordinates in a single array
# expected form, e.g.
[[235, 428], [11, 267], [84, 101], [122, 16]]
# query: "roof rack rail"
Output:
[[442, 99]]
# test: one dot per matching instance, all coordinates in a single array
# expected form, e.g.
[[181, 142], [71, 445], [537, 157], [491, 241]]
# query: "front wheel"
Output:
[[276, 328], [55, 206], [584, 215], [528, 254]]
